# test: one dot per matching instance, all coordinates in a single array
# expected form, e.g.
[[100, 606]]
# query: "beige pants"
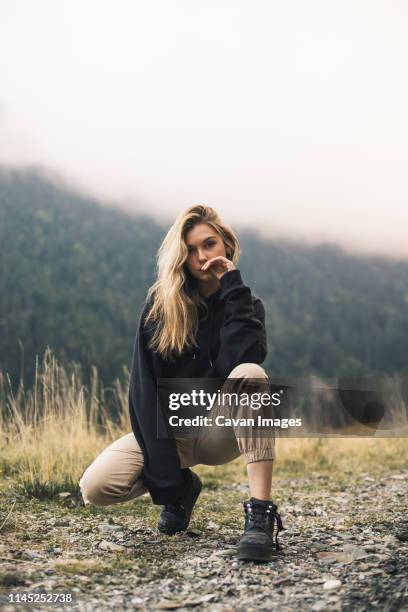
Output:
[[115, 475]]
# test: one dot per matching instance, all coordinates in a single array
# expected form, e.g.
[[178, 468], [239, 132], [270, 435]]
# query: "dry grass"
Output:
[[50, 434]]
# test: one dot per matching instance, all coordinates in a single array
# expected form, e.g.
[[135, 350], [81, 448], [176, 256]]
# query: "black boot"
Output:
[[176, 516], [258, 542]]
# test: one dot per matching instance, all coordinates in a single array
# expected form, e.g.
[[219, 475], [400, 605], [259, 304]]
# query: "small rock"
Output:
[[105, 545], [390, 540], [226, 552], [328, 560], [84, 579], [137, 601], [283, 580], [206, 598], [326, 555], [169, 604], [212, 525], [340, 527], [108, 528], [194, 533], [332, 585], [64, 494], [355, 552], [319, 605]]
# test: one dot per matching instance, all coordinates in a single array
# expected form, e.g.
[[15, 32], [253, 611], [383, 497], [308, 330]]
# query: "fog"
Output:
[[289, 117]]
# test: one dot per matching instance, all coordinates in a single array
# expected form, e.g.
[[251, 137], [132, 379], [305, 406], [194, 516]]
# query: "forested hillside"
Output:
[[74, 274]]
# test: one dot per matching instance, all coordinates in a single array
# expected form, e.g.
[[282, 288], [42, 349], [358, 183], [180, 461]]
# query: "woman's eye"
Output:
[[207, 244]]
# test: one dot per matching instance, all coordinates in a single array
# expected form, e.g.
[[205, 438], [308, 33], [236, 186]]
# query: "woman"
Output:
[[199, 321]]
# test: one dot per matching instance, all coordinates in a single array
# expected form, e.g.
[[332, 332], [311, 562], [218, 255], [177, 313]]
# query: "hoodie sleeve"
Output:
[[243, 334], [161, 474]]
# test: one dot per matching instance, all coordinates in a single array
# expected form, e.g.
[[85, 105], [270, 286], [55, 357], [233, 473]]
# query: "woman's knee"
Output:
[[90, 491], [115, 475], [248, 370], [102, 492], [96, 491]]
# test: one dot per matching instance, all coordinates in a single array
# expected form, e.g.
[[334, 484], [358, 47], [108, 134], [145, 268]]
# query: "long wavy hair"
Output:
[[174, 297]]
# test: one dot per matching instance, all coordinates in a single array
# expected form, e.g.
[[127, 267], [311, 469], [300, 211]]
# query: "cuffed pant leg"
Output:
[[218, 445], [255, 445]]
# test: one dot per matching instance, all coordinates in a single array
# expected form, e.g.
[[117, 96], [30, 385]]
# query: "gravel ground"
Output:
[[340, 551]]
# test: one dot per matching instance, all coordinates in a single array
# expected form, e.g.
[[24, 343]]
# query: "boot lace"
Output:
[[259, 519]]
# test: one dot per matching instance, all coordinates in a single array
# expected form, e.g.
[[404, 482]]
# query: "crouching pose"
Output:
[[199, 321]]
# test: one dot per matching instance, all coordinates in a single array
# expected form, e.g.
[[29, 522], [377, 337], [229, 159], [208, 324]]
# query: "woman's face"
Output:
[[203, 243]]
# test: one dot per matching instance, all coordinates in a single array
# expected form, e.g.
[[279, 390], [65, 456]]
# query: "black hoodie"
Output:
[[232, 333]]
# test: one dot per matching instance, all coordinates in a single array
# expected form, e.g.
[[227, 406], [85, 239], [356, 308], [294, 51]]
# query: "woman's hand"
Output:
[[218, 266]]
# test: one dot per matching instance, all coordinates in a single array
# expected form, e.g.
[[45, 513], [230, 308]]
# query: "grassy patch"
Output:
[[49, 490], [211, 484], [9, 579], [89, 567], [146, 565], [10, 467]]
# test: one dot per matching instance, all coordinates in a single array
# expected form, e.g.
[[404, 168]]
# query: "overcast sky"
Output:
[[289, 115]]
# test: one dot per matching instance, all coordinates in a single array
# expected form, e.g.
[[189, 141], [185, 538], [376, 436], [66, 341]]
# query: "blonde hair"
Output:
[[174, 297]]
